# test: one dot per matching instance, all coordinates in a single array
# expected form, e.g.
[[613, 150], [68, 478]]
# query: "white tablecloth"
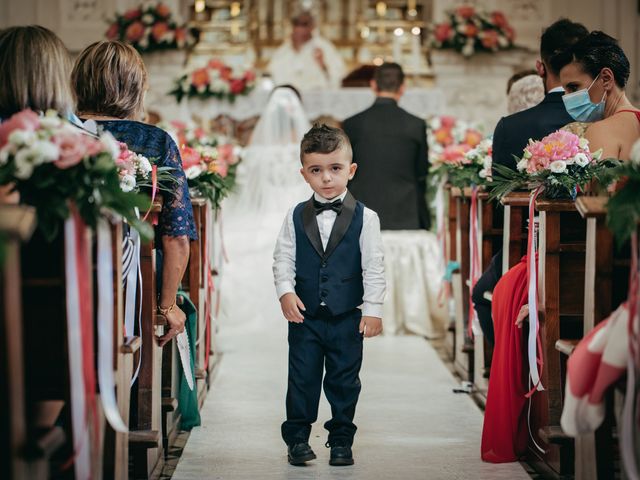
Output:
[[339, 104]]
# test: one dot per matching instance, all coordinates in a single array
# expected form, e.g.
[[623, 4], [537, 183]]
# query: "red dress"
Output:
[[504, 434]]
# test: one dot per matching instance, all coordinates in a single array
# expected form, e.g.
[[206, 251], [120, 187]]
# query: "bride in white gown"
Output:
[[269, 183]]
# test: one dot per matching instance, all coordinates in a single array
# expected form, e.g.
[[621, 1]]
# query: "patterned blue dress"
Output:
[[176, 218]]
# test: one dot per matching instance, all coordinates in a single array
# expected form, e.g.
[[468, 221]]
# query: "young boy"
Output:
[[328, 262]]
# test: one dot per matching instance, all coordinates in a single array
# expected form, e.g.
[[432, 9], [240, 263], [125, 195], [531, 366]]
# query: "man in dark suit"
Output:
[[513, 133], [390, 148]]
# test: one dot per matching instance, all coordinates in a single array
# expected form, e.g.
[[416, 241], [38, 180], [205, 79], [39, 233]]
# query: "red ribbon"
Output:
[[531, 251], [445, 290], [154, 192]]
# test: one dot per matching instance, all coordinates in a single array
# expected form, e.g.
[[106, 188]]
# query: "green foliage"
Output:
[[213, 186], [623, 209], [193, 92], [93, 186]]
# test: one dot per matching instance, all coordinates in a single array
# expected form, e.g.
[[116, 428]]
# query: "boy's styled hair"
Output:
[[389, 77], [34, 71], [323, 139], [110, 78], [595, 52], [557, 37]]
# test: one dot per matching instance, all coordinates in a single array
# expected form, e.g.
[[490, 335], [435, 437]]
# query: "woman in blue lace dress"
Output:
[[110, 81]]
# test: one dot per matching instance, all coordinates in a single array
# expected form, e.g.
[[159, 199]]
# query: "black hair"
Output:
[[389, 77], [323, 139], [558, 37], [595, 52]]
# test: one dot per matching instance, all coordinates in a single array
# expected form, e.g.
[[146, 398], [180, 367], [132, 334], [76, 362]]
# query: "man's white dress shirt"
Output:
[[284, 256], [300, 68]]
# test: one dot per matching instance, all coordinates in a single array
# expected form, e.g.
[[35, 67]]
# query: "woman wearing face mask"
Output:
[[594, 73]]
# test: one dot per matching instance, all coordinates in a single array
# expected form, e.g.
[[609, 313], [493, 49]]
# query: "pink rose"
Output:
[[221, 168], [190, 157], [443, 136], [498, 19], [112, 33], [447, 121], [472, 138], [24, 120], [489, 39], [163, 10], [200, 78], [72, 149], [454, 154], [466, 11], [92, 146], [443, 32], [134, 32], [236, 86], [158, 30], [132, 14], [225, 152]]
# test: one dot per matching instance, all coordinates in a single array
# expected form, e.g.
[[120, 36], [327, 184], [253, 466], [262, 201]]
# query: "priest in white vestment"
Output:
[[306, 60]]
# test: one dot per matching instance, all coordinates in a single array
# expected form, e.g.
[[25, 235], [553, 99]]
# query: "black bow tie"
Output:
[[336, 206]]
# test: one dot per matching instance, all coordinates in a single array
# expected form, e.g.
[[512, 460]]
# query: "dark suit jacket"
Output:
[[390, 148], [513, 132]]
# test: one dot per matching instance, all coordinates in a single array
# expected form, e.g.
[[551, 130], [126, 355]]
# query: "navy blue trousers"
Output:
[[334, 344]]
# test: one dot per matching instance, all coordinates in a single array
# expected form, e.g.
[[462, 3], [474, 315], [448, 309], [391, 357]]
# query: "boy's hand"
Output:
[[371, 326], [292, 307]]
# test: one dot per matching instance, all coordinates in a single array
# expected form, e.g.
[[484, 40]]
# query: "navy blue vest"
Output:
[[333, 276]]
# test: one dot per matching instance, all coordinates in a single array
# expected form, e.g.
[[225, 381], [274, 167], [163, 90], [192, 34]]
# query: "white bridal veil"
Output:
[[269, 177]]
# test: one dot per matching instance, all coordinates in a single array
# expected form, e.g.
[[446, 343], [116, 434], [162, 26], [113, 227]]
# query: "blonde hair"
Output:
[[109, 78], [34, 71]]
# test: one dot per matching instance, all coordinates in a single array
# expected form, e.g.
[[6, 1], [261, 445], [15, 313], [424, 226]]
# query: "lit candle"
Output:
[[200, 6]]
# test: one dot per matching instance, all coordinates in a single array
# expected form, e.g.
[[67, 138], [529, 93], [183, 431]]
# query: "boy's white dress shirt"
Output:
[[284, 266]]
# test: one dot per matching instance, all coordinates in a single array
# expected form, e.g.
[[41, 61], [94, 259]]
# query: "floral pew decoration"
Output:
[[468, 31], [54, 164], [214, 80], [460, 156], [150, 28], [210, 161]]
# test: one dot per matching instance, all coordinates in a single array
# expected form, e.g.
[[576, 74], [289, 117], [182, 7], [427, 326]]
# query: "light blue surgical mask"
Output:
[[580, 106]]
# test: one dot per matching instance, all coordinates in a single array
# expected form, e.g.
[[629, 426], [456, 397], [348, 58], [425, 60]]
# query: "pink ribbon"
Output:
[[474, 254]]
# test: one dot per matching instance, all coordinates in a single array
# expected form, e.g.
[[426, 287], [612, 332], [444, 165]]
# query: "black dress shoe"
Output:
[[341, 456], [300, 453]]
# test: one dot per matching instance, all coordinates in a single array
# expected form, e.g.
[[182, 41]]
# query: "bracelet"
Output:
[[165, 311]]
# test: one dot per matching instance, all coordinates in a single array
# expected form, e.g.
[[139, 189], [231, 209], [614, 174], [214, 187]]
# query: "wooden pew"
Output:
[[16, 226], [145, 438], [562, 247], [606, 277], [514, 232], [464, 355]]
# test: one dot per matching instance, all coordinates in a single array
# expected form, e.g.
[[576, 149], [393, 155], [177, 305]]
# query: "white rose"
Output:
[[193, 172], [468, 49], [148, 19], [144, 166], [581, 159], [483, 173], [21, 137], [597, 155], [4, 154], [110, 144], [435, 123], [583, 143], [558, 166], [144, 41], [502, 41], [43, 152], [127, 183], [50, 122], [522, 165], [486, 162], [24, 166], [634, 155]]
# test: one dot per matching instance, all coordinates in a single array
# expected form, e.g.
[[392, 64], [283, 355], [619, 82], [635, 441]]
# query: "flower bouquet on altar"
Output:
[[215, 80], [458, 153], [561, 163], [150, 28], [53, 164], [469, 30], [209, 161]]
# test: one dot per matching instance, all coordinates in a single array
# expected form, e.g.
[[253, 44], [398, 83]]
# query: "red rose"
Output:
[[181, 36], [132, 14], [489, 39], [200, 78], [216, 64], [447, 121], [471, 30], [113, 32], [163, 10], [225, 73], [498, 19], [236, 86], [159, 30], [134, 32], [190, 157], [443, 32], [510, 33], [466, 11]]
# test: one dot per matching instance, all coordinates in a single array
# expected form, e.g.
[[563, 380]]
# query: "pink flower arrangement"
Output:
[[214, 80], [557, 152], [149, 28], [469, 30]]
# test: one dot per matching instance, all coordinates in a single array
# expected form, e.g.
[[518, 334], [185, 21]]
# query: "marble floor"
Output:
[[411, 425]]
